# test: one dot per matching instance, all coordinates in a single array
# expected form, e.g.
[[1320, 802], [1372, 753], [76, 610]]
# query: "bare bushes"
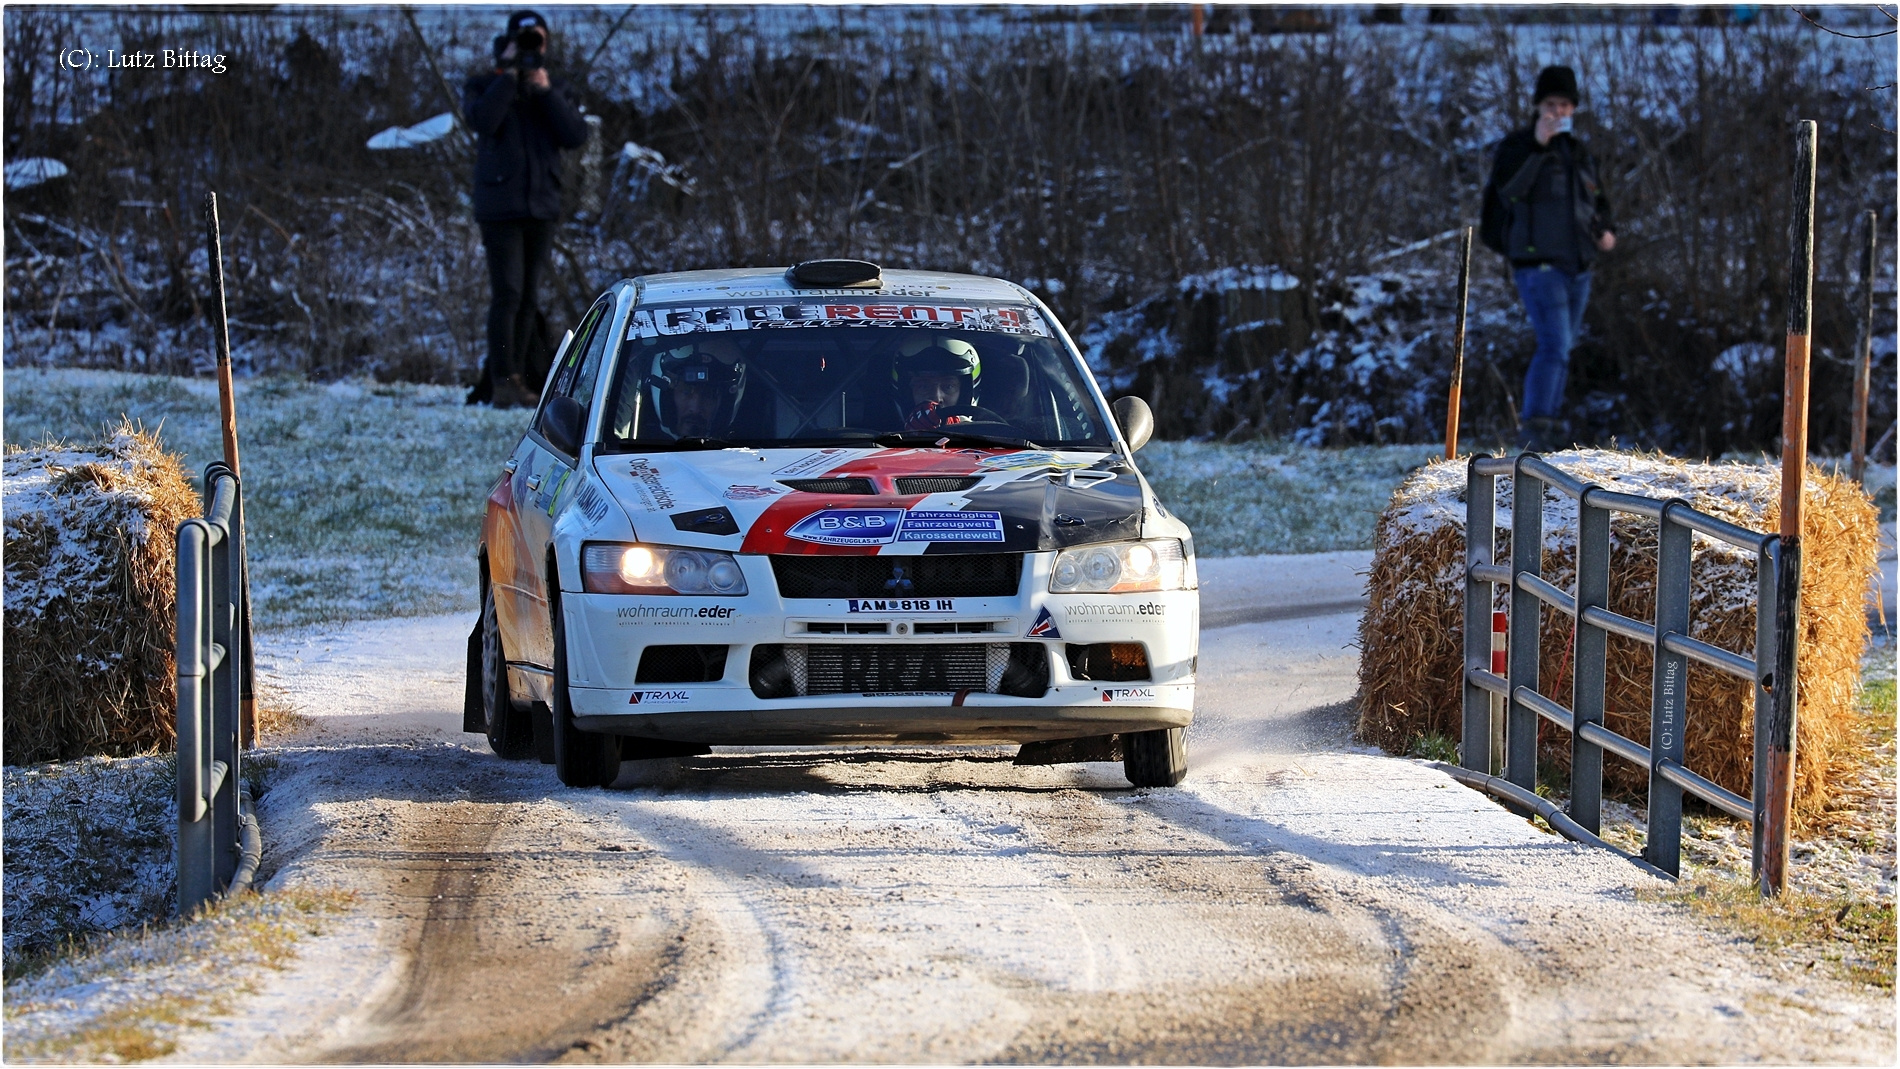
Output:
[[90, 560], [1100, 158]]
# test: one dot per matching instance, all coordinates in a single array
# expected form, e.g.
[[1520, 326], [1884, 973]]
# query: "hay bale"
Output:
[[1412, 634], [90, 597]]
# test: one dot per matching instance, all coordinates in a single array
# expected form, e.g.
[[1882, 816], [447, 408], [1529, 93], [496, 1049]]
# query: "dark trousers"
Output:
[[517, 254]]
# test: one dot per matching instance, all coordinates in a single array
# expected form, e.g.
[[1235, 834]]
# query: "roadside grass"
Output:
[[1851, 935], [362, 500], [1275, 496], [129, 995], [88, 849]]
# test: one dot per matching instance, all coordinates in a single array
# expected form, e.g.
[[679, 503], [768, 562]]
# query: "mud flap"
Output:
[[1071, 751], [474, 716]]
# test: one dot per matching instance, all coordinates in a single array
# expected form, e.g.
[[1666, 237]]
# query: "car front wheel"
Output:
[[1155, 758], [581, 758]]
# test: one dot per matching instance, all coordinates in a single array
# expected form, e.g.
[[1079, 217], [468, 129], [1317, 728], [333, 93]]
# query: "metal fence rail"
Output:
[[1588, 605], [218, 842]]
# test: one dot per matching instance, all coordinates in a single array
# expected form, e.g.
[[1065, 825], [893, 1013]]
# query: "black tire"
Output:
[[509, 730], [1155, 758], [581, 758]]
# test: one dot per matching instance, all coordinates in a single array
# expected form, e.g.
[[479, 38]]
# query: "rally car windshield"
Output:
[[971, 374]]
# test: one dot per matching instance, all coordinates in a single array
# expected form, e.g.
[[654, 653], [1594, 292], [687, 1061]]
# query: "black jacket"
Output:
[[519, 138], [1545, 203]]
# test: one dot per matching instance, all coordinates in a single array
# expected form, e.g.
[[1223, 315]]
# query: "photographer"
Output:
[[1546, 210], [522, 120]]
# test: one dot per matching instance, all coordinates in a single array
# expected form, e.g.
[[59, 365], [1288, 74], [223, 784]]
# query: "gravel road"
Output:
[[1298, 899]]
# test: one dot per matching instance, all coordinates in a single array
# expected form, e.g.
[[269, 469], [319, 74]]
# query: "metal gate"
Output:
[[218, 841], [1667, 635]]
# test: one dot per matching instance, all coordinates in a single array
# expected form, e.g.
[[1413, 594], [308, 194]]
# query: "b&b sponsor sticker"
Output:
[[1128, 694], [877, 527], [660, 697], [848, 527], [903, 605]]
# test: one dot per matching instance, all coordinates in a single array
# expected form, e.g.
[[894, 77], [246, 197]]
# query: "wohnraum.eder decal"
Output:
[[1113, 610], [687, 319], [1044, 627], [878, 527], [675, 614]]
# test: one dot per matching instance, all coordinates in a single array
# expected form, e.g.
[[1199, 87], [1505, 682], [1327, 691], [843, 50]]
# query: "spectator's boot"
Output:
[[513, 392], [1542, 434]]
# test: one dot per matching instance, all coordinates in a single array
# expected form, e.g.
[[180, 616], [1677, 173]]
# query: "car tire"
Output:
[[509, 730], [581, 758], [1155, 758]]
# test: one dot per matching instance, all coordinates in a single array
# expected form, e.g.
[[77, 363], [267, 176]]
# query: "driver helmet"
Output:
[[713, 364], [933, 354]]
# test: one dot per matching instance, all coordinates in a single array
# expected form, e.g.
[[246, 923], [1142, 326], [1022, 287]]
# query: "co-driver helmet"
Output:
[[934, 354]]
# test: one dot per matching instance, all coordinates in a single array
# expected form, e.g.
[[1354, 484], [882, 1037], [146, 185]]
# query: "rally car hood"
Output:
[[771, 501]]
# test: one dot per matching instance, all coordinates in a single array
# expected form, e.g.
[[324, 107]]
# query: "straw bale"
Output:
[[90, 597], [1413, 630]]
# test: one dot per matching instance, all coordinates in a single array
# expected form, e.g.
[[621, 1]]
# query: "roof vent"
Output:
[[855, 274]]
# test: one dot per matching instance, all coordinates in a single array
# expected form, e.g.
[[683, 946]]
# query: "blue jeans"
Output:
[[1555, 303]]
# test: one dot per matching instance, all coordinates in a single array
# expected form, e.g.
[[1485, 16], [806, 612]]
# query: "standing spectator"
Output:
[[522, 120], [1546, 210]]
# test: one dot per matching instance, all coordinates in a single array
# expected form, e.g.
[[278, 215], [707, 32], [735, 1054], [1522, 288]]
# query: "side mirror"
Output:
[[1137, 422], [561, 424]]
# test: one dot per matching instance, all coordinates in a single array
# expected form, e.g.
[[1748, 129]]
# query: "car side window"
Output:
[[569, 369], [582, 388]]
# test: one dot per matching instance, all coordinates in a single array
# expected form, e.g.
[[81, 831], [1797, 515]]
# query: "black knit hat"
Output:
[[1556, 82], [521, 20]]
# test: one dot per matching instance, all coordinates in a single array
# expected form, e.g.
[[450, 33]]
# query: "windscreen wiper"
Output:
[[947, 437]]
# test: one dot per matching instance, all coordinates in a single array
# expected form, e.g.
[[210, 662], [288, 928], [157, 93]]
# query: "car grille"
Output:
[[950, 575], [785, 671], [831, 486], [935, 484]]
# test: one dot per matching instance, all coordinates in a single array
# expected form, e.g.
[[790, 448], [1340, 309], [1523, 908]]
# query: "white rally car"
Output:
[[830, 505]]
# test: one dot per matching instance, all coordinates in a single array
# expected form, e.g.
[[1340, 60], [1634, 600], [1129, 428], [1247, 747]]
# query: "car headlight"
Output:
[[1121, 567], [623, 568]]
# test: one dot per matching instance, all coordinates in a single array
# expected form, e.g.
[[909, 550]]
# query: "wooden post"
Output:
[[227, 420], [1794, 461], [1857, 467], [1458, 347], [1198, 17]]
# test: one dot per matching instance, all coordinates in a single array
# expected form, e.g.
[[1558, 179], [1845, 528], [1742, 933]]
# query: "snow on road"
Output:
[[1299, 898]]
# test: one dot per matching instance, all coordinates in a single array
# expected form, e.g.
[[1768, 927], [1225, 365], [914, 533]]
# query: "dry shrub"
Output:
[[1413, 630], [91, 597]]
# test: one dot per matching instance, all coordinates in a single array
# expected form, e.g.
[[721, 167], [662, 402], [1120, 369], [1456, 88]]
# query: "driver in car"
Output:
[[936, 377], [697, 388]]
